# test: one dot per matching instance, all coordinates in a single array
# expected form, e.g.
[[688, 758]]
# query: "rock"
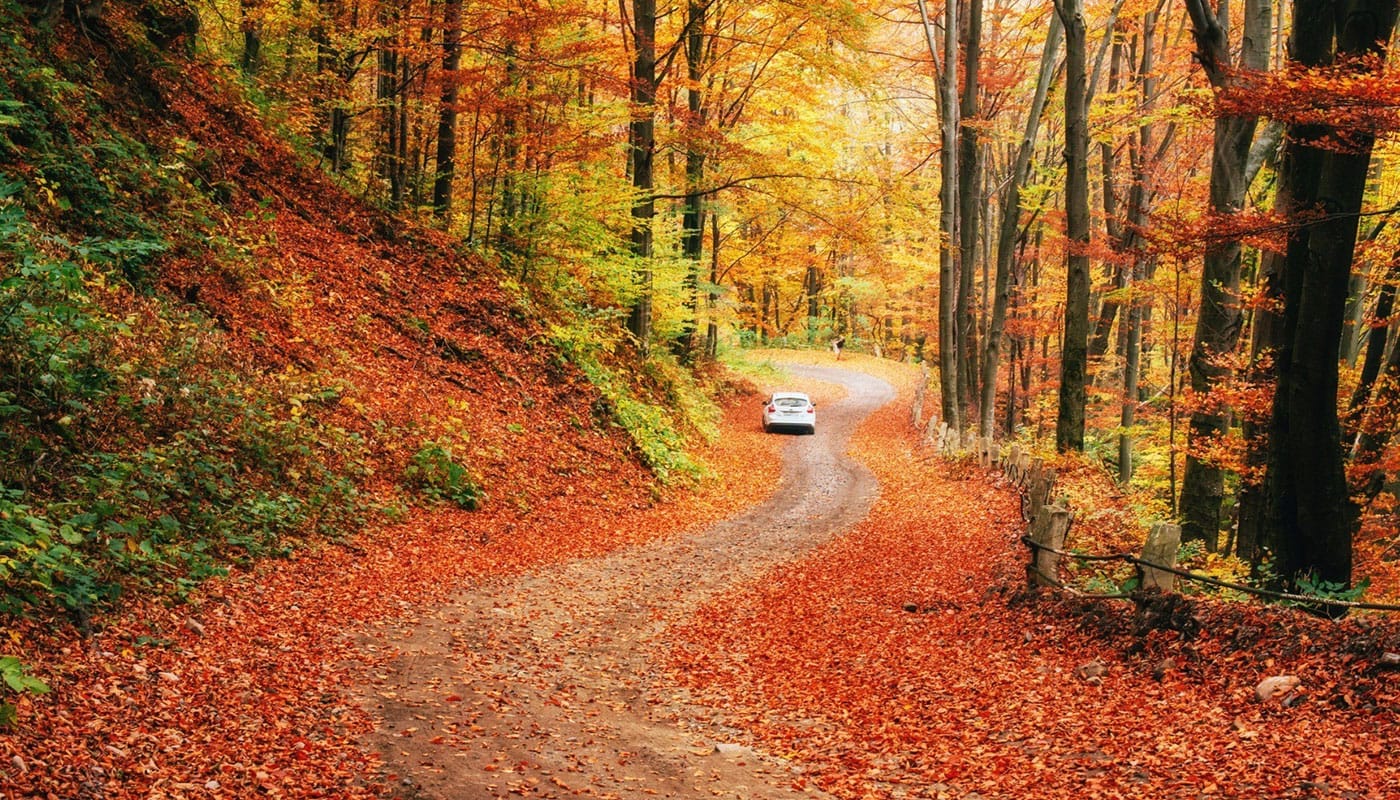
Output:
[[195, 626], [1279, 686], [1163, 667], [1091, 672], [1390, 660], [19, 764], [729, 748]]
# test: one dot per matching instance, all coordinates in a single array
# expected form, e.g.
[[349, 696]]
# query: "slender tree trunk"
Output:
[[969, 202], [1069, 423], [250, 23], [1113, 223], [1378, 425], [1374, 343], [712, 295], [1010, 225], [693, 217], [948, 273], [1139, 200], [641, 146], [445, 172]]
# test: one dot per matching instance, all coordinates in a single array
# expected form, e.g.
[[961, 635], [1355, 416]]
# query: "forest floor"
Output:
[[838, 615]]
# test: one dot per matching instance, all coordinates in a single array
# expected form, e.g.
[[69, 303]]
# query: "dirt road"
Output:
[[542, 685]]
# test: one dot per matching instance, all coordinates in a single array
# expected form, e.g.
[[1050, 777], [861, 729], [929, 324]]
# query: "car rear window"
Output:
[[790, 402]]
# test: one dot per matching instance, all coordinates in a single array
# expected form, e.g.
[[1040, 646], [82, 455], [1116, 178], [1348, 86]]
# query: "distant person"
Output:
[[836, 345]]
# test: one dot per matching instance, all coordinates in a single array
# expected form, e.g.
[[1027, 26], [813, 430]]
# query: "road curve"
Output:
[[546, 675]]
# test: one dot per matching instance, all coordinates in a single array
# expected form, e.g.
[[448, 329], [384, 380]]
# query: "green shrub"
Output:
[[15, 676], [651, 426], [435, 472]]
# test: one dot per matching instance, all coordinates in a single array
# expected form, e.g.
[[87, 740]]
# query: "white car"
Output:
[[792, 410]]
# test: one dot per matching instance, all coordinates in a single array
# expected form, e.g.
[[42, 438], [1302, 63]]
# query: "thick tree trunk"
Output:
[[1310, 509], [1218, 324], [1069, 423]]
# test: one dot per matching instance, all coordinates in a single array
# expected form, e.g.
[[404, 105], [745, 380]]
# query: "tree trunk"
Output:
[[969, 201], [1069, 423], [1311, 514], [948, 267], [641, 147], [693, 217], [251, 23], [1218, 325], [446, 169], [1010, 225]]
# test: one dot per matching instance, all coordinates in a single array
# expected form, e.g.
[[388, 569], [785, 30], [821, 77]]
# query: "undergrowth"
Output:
[[135, 452], [655, 426]]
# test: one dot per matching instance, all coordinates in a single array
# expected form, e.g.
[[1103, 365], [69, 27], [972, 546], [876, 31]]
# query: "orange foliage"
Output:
[[904, 659]]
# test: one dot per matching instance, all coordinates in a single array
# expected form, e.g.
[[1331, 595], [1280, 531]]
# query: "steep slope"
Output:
[[215, 360], [300, 357]]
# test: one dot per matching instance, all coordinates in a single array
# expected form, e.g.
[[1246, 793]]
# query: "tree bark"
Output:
[[446, 168], [969, 201], [948, 227], [641, 147], [693, 216], [1010, 225], [1311, 514], [1069, 422], [1218, 324]]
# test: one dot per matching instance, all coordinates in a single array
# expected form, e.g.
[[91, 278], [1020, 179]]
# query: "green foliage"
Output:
[[652, 426], [1313, 586], [15, 676], [435, 472]]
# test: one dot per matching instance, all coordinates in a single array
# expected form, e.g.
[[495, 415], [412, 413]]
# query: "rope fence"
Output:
[[1050, 523]]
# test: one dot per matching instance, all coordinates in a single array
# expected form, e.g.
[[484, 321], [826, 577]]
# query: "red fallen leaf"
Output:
[[452, 698]]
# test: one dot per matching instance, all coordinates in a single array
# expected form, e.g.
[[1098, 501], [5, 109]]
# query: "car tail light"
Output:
[[772, 409], [811, 410]]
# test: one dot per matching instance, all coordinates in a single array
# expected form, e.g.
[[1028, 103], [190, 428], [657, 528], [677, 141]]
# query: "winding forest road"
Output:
[[543, 684]]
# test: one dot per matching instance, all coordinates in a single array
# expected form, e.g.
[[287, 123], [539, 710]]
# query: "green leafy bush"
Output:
[[16, 678], [652, 427], [435, 472]]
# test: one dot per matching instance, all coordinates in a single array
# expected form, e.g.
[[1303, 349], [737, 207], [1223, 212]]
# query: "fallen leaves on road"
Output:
[[906, 660], [245, 693]]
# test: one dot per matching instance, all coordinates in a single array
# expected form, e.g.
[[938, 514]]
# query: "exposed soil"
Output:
[[545, 685]]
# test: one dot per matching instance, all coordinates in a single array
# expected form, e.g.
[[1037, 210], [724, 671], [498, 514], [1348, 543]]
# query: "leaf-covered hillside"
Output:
[[209, 351]]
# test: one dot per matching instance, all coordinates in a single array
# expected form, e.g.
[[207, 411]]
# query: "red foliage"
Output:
[[904, 659]]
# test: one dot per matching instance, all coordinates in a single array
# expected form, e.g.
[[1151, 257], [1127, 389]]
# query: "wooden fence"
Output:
[[1049, 521]]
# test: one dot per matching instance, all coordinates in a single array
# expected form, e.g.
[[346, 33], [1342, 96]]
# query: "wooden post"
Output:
[[1038, 487], [917, 412], [1049, 529], [931, 431], [1013, 462], [1162, 543]]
